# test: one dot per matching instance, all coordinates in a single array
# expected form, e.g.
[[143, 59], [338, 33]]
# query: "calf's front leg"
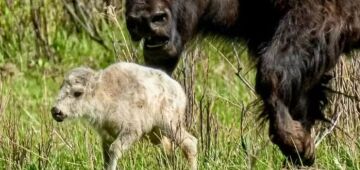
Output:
[[113, 151]]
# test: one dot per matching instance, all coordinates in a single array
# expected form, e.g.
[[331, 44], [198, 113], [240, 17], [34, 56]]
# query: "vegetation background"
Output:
[[40, 40]]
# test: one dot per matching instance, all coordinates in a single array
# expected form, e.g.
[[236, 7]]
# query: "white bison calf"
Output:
[[125, 102]]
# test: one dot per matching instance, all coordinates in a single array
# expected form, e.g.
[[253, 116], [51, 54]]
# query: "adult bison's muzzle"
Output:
[[156, 42], [153, 22], [57, 114]]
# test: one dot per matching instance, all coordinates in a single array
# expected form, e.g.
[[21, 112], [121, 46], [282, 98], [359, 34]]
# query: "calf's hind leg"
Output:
[[186, 141], [157, 138]]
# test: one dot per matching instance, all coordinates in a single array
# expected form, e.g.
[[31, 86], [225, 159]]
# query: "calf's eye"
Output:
[[77, 94]]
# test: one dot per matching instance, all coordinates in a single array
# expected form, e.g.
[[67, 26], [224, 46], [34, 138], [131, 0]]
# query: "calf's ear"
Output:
[[93, 82], [81, 76]]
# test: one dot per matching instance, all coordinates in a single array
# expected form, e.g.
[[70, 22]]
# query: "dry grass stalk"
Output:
[[344, 104]]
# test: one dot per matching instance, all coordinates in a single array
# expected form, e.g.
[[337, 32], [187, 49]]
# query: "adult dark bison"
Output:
[[296, 42]]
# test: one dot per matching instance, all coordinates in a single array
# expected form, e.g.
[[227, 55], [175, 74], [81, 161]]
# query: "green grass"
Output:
[[31, 139]]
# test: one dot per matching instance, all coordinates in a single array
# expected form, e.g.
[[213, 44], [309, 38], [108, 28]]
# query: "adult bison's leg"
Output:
[[306, 45], [293, 139], [289, 68], [290, 125]]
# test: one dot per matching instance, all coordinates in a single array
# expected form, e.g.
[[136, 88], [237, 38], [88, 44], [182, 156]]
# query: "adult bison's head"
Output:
[[154, 21]]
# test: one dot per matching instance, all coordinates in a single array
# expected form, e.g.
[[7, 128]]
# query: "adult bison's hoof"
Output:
[[294, 142], [305, 157]]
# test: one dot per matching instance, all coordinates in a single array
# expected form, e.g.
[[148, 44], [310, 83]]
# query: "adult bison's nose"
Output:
[[57, 114]]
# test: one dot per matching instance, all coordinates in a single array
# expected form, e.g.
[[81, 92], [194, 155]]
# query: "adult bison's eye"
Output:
[[159, 18], [78, 93]]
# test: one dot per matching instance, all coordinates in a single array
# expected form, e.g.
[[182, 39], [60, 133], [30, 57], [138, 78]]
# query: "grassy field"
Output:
[[41, 40]]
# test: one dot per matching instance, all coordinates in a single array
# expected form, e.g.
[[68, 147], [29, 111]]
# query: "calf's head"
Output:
[[72, 99]]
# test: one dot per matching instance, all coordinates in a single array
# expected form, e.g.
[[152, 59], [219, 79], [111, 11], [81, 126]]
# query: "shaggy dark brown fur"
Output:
[[296, 43]]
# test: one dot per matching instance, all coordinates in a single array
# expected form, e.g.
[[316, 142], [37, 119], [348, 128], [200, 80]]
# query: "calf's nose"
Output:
[[57, 114]]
